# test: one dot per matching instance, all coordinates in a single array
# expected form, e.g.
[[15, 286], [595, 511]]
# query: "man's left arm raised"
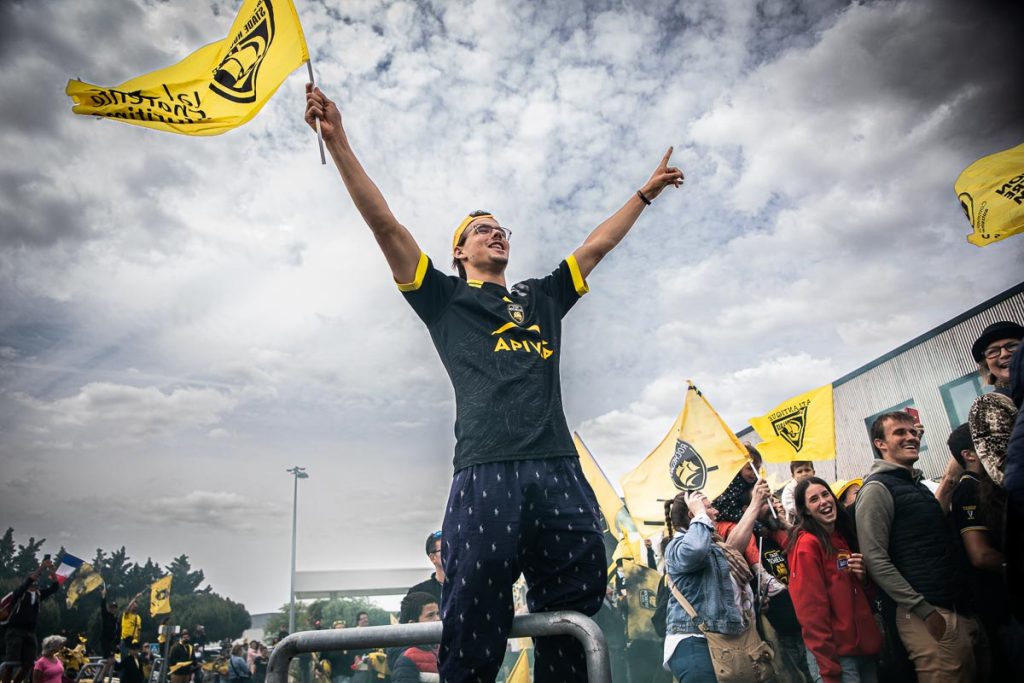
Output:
[[608, 234]]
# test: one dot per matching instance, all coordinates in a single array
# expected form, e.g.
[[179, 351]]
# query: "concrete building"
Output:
[[933, 373]]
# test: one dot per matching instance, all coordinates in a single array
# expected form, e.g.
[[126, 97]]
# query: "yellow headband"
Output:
[[462, 228]]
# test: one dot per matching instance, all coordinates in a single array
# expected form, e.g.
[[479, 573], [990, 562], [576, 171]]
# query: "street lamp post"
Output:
[[299, 473]]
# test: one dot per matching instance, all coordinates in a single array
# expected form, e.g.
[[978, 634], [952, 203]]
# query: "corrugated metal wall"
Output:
[[917, 373]]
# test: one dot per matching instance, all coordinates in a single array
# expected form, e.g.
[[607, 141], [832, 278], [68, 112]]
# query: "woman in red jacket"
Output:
[[828, 589]]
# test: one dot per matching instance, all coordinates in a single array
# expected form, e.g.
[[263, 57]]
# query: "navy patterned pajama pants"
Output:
[[535, 517]]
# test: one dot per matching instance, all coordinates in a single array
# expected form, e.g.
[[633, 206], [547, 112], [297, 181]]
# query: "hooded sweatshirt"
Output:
[[831, 604], [907, 545]]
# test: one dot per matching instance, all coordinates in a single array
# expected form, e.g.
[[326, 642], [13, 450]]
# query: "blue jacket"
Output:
[[700, 571]]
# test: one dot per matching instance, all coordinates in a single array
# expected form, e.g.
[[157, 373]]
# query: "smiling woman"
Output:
[[828, 588], [992, 415]]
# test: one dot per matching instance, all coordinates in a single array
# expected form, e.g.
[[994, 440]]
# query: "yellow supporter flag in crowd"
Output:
[[802, 428], [86, 580], [612, 508], [160, 597], [217, 87], [699, 453], [991, 192], [521, 671], [641, 600]]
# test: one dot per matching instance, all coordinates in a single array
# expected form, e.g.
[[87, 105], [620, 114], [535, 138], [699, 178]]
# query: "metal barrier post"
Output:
[[574, 624]]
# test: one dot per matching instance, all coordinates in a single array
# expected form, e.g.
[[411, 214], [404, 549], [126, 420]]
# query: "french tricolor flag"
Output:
[[68, 565]]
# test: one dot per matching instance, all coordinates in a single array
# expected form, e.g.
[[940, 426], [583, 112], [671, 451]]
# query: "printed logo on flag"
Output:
[[161, 594], [235, 77], [515, 311], [791, 425], [967, 204], [648, 599], [688, 470]]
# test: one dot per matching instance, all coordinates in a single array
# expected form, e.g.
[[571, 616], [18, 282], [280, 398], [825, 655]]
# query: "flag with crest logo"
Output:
[[699, 453], [991, 193], [160, 596], [801, 428], [85, 581], [216, 88]]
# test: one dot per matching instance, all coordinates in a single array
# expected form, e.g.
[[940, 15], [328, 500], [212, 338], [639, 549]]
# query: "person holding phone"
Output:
[[712, 575], [22, 616]]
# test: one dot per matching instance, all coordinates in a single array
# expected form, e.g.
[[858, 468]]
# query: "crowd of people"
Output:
[[889, 580]]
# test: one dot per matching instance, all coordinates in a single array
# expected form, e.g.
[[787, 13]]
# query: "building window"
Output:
[[958, 396], [899, 407]]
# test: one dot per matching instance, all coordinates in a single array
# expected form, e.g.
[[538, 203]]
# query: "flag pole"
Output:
[[770, 496], [319, 136]]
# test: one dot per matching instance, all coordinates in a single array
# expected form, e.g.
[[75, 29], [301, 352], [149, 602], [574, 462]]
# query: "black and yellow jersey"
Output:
[[501, 351]]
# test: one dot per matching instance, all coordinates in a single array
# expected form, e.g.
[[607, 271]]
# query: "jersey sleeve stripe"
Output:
[[577, 277], [421, 272]]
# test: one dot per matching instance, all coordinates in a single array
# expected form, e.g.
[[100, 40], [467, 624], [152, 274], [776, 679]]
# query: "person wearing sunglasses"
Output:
[[433, 584], [519, 502]]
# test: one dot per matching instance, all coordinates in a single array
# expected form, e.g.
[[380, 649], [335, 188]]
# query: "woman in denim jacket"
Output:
[[711, 574]]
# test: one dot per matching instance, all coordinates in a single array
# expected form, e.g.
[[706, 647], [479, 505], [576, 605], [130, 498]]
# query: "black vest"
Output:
[[920, 541]]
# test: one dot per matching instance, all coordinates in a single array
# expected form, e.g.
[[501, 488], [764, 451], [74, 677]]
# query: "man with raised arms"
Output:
[[519, 502]]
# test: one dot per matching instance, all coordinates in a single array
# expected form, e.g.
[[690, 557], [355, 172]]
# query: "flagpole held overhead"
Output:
[[319, 136]]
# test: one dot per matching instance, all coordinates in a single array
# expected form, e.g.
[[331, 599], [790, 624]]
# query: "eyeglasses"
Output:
[[994, 351], [486, 229]]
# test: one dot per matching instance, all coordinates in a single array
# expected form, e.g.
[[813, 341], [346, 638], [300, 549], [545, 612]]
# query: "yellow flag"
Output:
[[641, 600], [160, 597], [521, 671], [620, 524], [802, 428], [217, 87], [86, 580], [991, 192], [699, 453]]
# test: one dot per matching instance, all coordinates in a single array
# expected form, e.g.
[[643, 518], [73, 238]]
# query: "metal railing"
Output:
[[574, 624]]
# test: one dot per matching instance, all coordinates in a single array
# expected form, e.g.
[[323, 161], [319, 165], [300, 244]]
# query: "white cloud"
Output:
[[104, 411], [192, 316]]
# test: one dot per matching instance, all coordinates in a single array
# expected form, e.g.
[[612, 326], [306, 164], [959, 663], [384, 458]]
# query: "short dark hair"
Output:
[[799, 463], [412, 606], [959, 441], [431, 540], [878, 427], [456, 263]]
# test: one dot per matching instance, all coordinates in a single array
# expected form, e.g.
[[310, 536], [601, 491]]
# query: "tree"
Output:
[[222, 617], [124, 579], [25, 561], [185, 580], [7, 554], [328, 612]]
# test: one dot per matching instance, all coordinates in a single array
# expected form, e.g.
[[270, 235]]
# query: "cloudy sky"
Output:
[[181, 319]]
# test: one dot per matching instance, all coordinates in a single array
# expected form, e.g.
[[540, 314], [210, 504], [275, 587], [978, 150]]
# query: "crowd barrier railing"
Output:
[[525, 625]]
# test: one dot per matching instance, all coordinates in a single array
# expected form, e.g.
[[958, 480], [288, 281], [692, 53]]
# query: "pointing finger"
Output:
[[664, 159]]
